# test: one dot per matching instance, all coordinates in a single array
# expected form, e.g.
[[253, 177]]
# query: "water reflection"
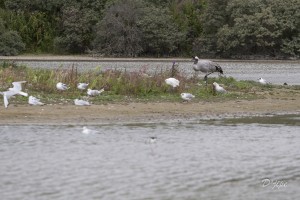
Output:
[[223, 160]]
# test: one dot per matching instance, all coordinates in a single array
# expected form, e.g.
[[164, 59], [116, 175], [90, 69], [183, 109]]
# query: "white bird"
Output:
[[206, 66], [152, 139], [85, 130], [172, 81], [13, 91], [218, 88], [61, 86], [6, 96], [79, 102], [91, 92], [18, 88], [82, 86], [34, 101], [262, 81], [187, 96]]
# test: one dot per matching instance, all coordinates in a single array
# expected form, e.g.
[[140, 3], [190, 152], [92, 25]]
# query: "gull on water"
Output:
[[91, 92], [34, 101], [152, 139], [172, 82], [79, 102], [262, 81], [61, 86], [82, 86], [86, 130], [187, 96], [206, 66], [217, 88], [13, 91]]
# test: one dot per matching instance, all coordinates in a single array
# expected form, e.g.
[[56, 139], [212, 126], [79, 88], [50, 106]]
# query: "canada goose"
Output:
[[206, 66]]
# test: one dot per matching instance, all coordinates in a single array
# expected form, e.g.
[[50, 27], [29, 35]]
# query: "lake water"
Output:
[[247, 158], [275, 72]]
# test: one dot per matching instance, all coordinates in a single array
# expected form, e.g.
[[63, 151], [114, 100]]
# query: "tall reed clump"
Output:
[[136, 84]]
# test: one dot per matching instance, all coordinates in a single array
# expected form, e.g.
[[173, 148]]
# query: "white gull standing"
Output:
[[82, 86], [61, 86], [262, 81], [79, 102], [217, 88], [187, 96], [91, 92], [34, 101], [172, 82]]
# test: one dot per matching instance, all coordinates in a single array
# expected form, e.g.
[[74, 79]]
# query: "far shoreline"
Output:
[[89, 58]]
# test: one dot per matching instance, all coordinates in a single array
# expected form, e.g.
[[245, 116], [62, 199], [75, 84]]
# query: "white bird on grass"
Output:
[[173, 82], [217, 88], [82, 86], [91, 92], [61, 86], [13, 91], [187, 96], [79, 102], [262, 81], [34, 101], [206, 66]]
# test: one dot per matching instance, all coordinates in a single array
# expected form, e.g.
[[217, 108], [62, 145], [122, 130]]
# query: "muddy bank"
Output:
[[144, 112]]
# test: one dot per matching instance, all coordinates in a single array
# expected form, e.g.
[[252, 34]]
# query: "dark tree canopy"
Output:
[[216, 28]]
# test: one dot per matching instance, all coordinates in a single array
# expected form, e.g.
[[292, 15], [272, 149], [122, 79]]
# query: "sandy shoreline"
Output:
[[68, 114]]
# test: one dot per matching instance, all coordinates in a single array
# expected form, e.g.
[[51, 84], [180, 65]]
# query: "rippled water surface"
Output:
[[247, 158], [277, 72]]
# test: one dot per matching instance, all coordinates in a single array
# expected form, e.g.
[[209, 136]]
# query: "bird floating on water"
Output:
[[217, 88], [206, 66], [79, 102], [34, 101], [187, 96], [152, 139], [172, 82], [91, 92], [17, 89], [61, 86], [262, 81], [82, 86]]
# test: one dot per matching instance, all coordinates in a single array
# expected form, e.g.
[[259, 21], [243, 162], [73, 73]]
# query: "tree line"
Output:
[[156, 28]]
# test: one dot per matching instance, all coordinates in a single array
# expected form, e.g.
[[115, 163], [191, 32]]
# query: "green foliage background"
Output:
[[130, 28]]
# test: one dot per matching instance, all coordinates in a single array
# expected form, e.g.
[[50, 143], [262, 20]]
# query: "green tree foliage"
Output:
[[269, 28], [160, 35], [134, 28], [10, 42], [223, 28], [118, 32]]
